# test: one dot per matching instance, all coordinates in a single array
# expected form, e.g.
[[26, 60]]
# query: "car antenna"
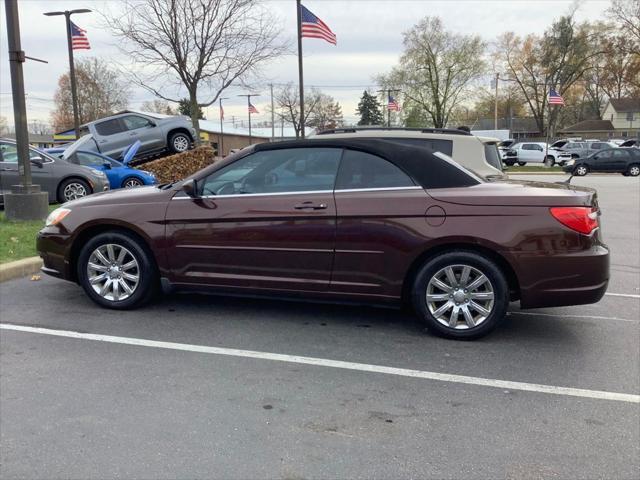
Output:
[[567, 181]]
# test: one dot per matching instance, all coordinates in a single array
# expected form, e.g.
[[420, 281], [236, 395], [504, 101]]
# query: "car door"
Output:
[[41, 166], [265, 221], [143, 129], [525, 153], [379, 207], [601, 161], [537, 153], [619, 160], [112, 137]]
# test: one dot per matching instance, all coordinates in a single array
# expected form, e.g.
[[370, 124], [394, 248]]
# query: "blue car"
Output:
[[120, 175]]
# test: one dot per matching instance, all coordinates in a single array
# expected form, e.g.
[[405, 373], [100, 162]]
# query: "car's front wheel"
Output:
[[179, 142], [522, 164], [581, 170], [72, 189], [549, 161], [633, 170], [460, 295], [132, 182], [116, 271]]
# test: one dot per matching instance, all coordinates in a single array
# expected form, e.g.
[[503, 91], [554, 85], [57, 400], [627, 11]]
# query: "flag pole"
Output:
[[546, 143], [300, 75], [221, 149]]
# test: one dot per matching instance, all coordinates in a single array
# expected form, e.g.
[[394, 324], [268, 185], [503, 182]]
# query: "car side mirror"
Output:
[[37, 161], [107, 165], [190, 187], [152, 123]]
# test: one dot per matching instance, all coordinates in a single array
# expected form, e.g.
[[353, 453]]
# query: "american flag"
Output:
[[313, 27], [393, 104], [252, 109], [79, 41], [555, 98]]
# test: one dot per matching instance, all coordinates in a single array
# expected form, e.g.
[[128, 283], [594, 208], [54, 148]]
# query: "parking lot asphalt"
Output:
[[94, 407]]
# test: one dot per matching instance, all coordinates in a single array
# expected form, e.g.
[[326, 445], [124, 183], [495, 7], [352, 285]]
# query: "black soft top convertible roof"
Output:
[[425, 168]]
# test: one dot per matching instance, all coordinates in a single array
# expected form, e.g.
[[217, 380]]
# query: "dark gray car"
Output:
[[63, 181]]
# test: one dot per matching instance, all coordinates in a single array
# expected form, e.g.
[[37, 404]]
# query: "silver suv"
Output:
[[478, 154], [157, 133]]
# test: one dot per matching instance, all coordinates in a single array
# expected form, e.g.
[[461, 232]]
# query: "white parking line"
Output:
[[568, 315], [322, 362], [627, 295]]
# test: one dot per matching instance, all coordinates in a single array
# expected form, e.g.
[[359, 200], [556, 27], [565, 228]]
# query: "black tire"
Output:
[[522, 164], [509, 163], [129, 182], [459, 258], [633, 170], [146, 270], [549, 161], [580, 170], [67, 188], [179, 142]]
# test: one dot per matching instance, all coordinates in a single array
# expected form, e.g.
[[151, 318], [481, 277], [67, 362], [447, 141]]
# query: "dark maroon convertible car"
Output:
[[359, 220]]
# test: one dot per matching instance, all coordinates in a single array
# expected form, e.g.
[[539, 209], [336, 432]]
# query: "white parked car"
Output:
[[526, 152]]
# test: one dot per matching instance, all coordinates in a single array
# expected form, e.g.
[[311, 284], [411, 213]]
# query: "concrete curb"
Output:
[[20, 268]]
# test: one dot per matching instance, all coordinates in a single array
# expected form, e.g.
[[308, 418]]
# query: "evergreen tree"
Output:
[[184, 108], [369, 110]]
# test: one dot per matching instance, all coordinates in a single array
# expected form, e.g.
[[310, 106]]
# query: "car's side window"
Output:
[[619, 153], [538, 148], [133, 122], [360, 170], [109, 127], [276, 171], [604, 155], [8, 153], [89, 160]]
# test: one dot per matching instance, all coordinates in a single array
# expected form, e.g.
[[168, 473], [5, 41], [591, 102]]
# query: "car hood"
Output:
[[517, 193], [138, 195]]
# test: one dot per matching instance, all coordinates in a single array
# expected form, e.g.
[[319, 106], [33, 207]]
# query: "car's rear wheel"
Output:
[[633, 170], [72, 189], [179, 142], [460, 295], [116, 271], [132, 182], [580, 170]]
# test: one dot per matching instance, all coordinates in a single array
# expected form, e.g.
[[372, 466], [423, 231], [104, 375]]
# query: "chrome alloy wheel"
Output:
[[181, 143], [73, 191], [113, 272], [581, 171], [132, 183], [634, 171], [460, 297]]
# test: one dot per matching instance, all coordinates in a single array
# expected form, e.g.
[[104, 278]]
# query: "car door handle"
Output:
[[310, 205], [132, 134]]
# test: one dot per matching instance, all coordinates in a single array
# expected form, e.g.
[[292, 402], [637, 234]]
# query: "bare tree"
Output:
[[626, 13], [558, 60], [39, 127], [101, 91], [4, 128], [287, 104], [158, 106], [436, 69], [202, 46]]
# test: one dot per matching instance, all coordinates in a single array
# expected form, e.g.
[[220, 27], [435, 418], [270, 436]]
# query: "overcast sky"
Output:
[[369, 36]]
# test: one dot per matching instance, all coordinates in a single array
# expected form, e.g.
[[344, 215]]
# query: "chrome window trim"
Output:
[[379, 189], [306, 192]]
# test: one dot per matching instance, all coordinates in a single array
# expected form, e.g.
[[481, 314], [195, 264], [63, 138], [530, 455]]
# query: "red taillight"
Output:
[[580, 219]]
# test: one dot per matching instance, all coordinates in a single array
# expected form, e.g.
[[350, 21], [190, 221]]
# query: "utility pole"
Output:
[[495, 107], [249, 107], [273, 126], [221, 143], [387, 92], [72, 72], [25, 201]]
